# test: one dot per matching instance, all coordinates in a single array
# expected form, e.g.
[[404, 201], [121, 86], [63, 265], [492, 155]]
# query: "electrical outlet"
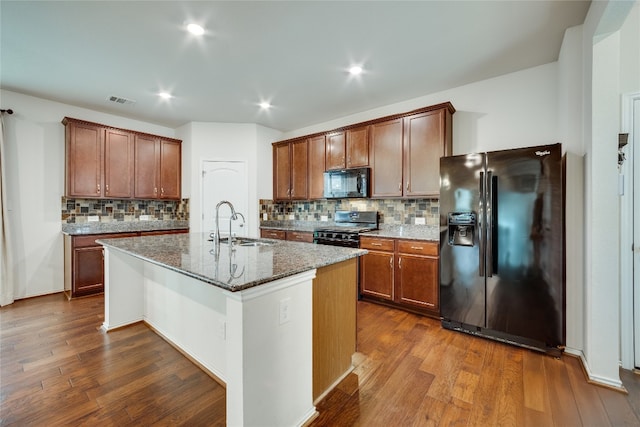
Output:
[[324, 218], [292, 216], [265, 217], [420, 221], [285, 310], [93, 218], [145, 217]]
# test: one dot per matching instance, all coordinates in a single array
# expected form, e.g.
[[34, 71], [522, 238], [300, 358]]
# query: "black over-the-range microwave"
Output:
[[346, 183]]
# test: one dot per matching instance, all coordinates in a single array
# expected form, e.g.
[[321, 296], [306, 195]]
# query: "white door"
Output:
[[225, 180], [636, 228]]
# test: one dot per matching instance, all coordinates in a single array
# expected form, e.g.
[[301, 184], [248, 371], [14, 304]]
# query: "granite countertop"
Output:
[[407, 232], [290, 225], [241, 268], [122, 227], [392, 231]]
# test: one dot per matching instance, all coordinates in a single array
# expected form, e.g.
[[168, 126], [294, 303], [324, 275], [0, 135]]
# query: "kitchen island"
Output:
[[272, 320]]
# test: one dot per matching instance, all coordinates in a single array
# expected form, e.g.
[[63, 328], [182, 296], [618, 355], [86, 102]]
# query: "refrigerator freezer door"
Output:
[[524, 250], [462, 287]]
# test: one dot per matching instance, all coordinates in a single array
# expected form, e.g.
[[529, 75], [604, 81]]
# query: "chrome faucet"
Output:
[[234, 216]]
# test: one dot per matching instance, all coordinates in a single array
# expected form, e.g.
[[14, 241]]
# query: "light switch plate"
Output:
[[93, 218], [265, 217], [145, 217], [420, 221]]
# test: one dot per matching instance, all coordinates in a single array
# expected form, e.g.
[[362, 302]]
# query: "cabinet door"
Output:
[[417, 283], [358, 147], [316, 167], [118, 164], [299, 158], [84, 160], [336, 151], [147, 160], [386, 159], [281, 172], [424, 144], [170, 169], [88, 271], [376, 274]]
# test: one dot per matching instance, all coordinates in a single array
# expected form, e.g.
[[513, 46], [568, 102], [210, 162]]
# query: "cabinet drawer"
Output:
[[376, 244], [273, 234], [300, 236], [417, 247]]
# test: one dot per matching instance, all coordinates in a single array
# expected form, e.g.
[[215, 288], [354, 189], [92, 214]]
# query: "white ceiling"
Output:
[[293, 53]]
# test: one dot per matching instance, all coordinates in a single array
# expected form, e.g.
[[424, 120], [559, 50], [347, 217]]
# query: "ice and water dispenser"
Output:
[[462, 227]]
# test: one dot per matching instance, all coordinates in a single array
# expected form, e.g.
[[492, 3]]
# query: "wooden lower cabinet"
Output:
[[334, 325], [273, 234], [402, 273], [84, 261], [294, 236]]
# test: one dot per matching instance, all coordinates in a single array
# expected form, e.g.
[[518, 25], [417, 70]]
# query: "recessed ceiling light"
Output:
[[195, 29], [265, 105], [165, 95], [355, 70]]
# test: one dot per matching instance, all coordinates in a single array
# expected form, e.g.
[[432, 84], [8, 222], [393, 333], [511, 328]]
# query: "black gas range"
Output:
[[347, 228]]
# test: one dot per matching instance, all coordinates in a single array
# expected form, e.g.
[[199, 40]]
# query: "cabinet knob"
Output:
[[391, 262], [155, 190], [106, 187], [407, 186], [400, 186], [399, 262], [98, 188]]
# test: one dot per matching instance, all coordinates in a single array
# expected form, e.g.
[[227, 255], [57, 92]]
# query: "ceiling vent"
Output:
[[121, 100]]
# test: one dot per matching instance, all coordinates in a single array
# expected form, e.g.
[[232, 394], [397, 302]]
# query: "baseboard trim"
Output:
[[594, 379]]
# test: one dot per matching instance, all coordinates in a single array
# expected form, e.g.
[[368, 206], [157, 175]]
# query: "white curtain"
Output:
[[6, 265]]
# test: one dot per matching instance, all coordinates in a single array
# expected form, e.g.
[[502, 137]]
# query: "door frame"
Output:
[[627, 277], [200, 214]]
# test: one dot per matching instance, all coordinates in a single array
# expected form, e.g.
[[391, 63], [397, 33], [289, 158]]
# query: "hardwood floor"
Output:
[[58, 368]]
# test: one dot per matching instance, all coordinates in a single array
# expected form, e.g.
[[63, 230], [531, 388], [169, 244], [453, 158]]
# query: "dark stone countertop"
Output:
[[241, 268], [122, 227]]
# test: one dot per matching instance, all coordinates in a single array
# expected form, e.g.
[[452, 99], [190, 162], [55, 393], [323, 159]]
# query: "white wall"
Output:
[[35, 185], [227, 141], [513, 110]]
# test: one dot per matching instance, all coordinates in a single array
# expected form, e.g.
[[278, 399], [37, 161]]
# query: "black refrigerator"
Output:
[[502, 249]]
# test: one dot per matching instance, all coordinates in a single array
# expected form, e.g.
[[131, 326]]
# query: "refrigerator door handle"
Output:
[[481, 217], [490, 215]]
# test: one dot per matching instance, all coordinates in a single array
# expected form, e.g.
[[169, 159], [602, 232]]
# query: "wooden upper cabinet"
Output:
[[147, 160], [118, 164], [315, 167], [386, 158], [158, 168], [105, 162], [425, 141], [357, 147], [348, 149], [170, 169], [281, 172], [335, 151], [84, 147], [299, 159], [290, 170]]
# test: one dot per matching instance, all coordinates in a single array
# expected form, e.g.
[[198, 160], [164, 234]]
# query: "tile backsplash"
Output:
[[75, 211], [392, 211]]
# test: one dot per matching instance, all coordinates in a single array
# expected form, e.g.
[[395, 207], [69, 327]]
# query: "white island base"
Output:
[[257, 341]]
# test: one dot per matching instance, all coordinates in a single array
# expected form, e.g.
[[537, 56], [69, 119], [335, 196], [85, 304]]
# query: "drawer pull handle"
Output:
[[417, 247], [376, 244]]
